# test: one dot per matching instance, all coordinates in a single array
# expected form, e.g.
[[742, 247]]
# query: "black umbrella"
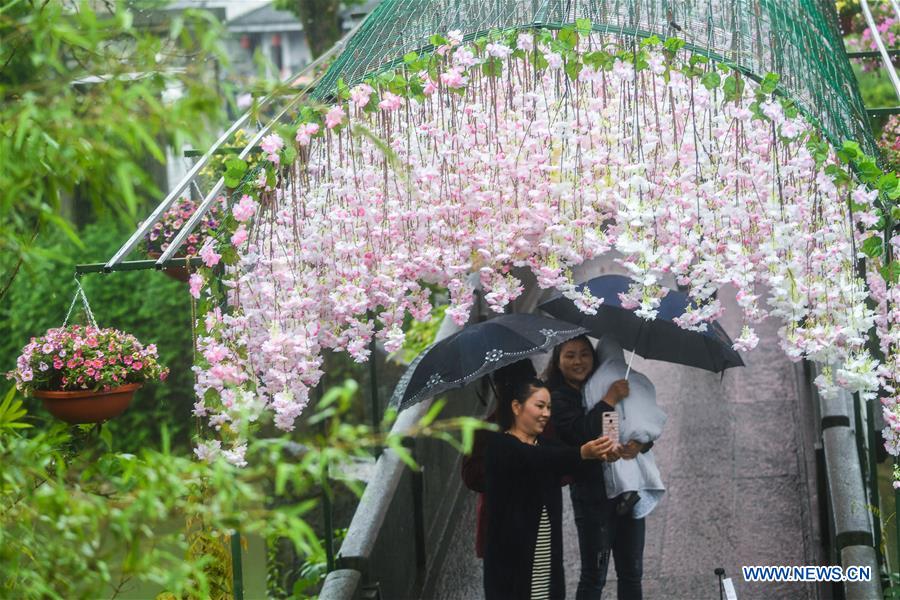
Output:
[[477, 350], [659, 339]]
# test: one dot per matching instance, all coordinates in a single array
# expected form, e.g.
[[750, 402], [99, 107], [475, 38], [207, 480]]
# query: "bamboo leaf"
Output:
[[433, 412]]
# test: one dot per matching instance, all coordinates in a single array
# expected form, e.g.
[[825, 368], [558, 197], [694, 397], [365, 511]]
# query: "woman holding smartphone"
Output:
[[599, 528], [523, 500]]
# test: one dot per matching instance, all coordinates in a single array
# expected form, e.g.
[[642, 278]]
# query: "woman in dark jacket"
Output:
[[523, 501], [600, 529]]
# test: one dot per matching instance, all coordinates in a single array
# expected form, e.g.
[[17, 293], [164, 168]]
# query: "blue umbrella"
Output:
[[477, 350], [657, 339]]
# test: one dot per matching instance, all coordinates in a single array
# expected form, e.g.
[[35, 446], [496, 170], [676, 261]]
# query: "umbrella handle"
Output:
[[628, 370], [634, 349]]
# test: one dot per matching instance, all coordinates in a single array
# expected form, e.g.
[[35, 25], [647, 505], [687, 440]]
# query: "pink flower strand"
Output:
[[486, 177]]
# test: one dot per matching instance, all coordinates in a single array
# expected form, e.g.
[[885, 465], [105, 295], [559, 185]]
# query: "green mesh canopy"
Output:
[[797, 39]]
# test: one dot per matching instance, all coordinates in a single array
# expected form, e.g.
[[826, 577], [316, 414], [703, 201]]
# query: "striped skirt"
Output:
[[540, 571]]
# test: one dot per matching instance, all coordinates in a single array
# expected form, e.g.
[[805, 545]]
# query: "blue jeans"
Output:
[[599, 531]]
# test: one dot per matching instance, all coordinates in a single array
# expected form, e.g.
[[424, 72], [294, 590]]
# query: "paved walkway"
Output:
[[735, 462]]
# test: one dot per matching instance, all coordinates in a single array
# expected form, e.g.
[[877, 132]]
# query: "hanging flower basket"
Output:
[[164, 231], [85, 374], [178, 273], [87, 406]]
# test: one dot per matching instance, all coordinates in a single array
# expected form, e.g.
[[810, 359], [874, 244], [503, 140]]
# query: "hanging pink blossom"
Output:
[[334, 117], [196, 284], [239, 236], [453, 78], [361, 94], [244, 209], [491, 173], [209, 255], [271, 144], [390, 101], [305, 133]]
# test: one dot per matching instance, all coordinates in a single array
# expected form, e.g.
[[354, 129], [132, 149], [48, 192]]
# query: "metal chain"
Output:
[[84, 302]]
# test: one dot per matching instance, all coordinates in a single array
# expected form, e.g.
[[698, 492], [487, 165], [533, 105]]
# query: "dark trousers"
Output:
[[599, 531]]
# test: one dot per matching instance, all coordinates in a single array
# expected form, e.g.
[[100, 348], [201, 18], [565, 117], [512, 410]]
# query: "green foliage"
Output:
[[420, 335], [148, 304], [870, 174], [711, 80], [87, 525], [77, 521], [228, 164], [82, 110], [11, 412], [733, 87], [876, 90], [769, 83]]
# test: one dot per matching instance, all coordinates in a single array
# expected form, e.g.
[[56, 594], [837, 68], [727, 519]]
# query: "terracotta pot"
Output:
[[86, 406], [179, 273]]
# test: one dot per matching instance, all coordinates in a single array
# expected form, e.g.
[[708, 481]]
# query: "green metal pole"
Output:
[[860, 432], [237, 571], [873, 476], [327, 500], [134, 265], [373, 380], [896, 525], [236, 567], [328, 508]]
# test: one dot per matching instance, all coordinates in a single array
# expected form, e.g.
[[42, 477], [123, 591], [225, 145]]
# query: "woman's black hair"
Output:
[[553, 376], [514, 389]]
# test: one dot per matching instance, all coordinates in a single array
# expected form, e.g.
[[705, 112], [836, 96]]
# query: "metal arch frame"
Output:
[[624, 31], [166, 258], [882, 50]]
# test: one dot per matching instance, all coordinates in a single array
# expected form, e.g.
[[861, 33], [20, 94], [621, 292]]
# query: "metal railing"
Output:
[[163, 261], [867, 416], [849, 527], [879, 43]]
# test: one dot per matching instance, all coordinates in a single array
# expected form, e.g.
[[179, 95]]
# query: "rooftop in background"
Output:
[[264, 18], [233, 8]]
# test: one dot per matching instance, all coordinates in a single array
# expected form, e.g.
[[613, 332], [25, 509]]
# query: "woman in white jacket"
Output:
[[635, 482]]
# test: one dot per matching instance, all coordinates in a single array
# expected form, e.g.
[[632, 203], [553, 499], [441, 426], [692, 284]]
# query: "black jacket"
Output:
[[576, 427], [519, 480]]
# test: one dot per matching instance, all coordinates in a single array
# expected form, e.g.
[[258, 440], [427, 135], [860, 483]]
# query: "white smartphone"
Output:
[[611, 426]]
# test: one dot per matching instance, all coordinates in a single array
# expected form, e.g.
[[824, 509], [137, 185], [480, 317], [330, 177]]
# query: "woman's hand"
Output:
[[619, 390], [631, 449], [599, 449]]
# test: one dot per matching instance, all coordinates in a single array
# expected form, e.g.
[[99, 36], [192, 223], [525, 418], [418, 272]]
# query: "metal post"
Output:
[[373, 380], [327, 501], [860, 432], [328, 509], [236, 568], [873, 477], [896, 523], [417, 481]]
